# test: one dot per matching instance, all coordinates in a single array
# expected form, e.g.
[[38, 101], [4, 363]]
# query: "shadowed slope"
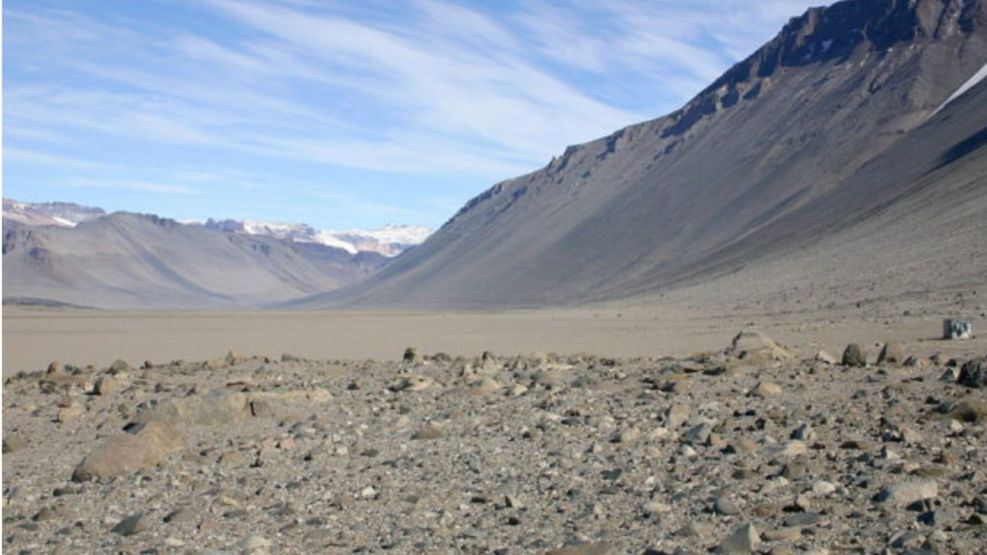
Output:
[[823, 128]]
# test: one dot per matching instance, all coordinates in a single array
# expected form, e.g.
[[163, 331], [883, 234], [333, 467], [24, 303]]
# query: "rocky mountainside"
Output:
[[832, 132], [125, 260]]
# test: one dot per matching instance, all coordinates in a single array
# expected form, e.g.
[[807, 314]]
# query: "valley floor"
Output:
[[33, 337]]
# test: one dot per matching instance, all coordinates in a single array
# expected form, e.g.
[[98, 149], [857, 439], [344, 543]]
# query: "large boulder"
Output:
[[145, 447], [892, 353], [854, 355], [218, 407], [974, 373], [755, 347]]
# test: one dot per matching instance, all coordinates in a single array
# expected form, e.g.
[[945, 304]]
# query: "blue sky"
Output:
[[338, 114]]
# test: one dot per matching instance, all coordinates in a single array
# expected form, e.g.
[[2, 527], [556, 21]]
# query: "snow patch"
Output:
[[969, 84]]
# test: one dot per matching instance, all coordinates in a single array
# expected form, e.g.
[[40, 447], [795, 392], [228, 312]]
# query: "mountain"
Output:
[[61, 253], [62, 214], [835, 141], [390, 240]]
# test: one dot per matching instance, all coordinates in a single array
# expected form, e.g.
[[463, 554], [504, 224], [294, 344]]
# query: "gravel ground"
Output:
[[752, 449]]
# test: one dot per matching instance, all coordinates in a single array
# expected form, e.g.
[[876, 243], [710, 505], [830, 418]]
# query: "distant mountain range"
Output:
[[845, 157], [390, 240], [62, 214], [65, 253]]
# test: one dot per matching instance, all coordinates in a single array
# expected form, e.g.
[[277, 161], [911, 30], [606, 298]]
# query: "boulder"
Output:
[[145, 447], [974, 373], [411, 356], [854, 355], [755, 347], [892, 353], [218, 407], [119, 366], [107, 385], [970, 410], [826, 357]]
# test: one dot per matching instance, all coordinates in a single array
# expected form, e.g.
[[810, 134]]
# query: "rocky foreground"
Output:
[[749, 450]]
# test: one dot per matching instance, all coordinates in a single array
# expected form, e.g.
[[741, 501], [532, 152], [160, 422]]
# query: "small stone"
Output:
[[905, 493], [783, 534], [753, 346], [794, 448], [411, 356], [46, 514], [676, 415], [697, 435], [485, 385], [583, 549], [410, 383], [743, 541], [182, 515], [914, 361], [430, 430], [13, 443], [368, 492], [256, 544], [133, 524], [119, 366], [804, 432], [627, 435], [767, 390], [69, 413], [823, 488], [726, 506], [55, 366], [826, 357], [854, 355], [892, 353], [107, 385]]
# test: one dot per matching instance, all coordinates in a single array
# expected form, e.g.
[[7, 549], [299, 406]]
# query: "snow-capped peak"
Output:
[[61, 214], [390, 240]]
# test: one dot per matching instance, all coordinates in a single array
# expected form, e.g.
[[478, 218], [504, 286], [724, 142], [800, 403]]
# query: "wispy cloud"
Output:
[[419, 89], [129, 185]]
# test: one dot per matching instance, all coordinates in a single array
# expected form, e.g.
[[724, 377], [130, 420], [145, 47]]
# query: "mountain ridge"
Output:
[[637, 209], [129, 260]]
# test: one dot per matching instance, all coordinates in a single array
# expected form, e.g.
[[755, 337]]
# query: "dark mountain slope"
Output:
[[816, 131]]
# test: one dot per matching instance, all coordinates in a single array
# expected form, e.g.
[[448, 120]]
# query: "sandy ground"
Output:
[[33, 337]]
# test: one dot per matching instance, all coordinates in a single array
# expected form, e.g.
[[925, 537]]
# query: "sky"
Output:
[[340, 114]]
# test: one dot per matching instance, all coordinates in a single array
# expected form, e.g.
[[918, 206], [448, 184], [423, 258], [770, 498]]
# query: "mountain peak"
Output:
[[839, 33]]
